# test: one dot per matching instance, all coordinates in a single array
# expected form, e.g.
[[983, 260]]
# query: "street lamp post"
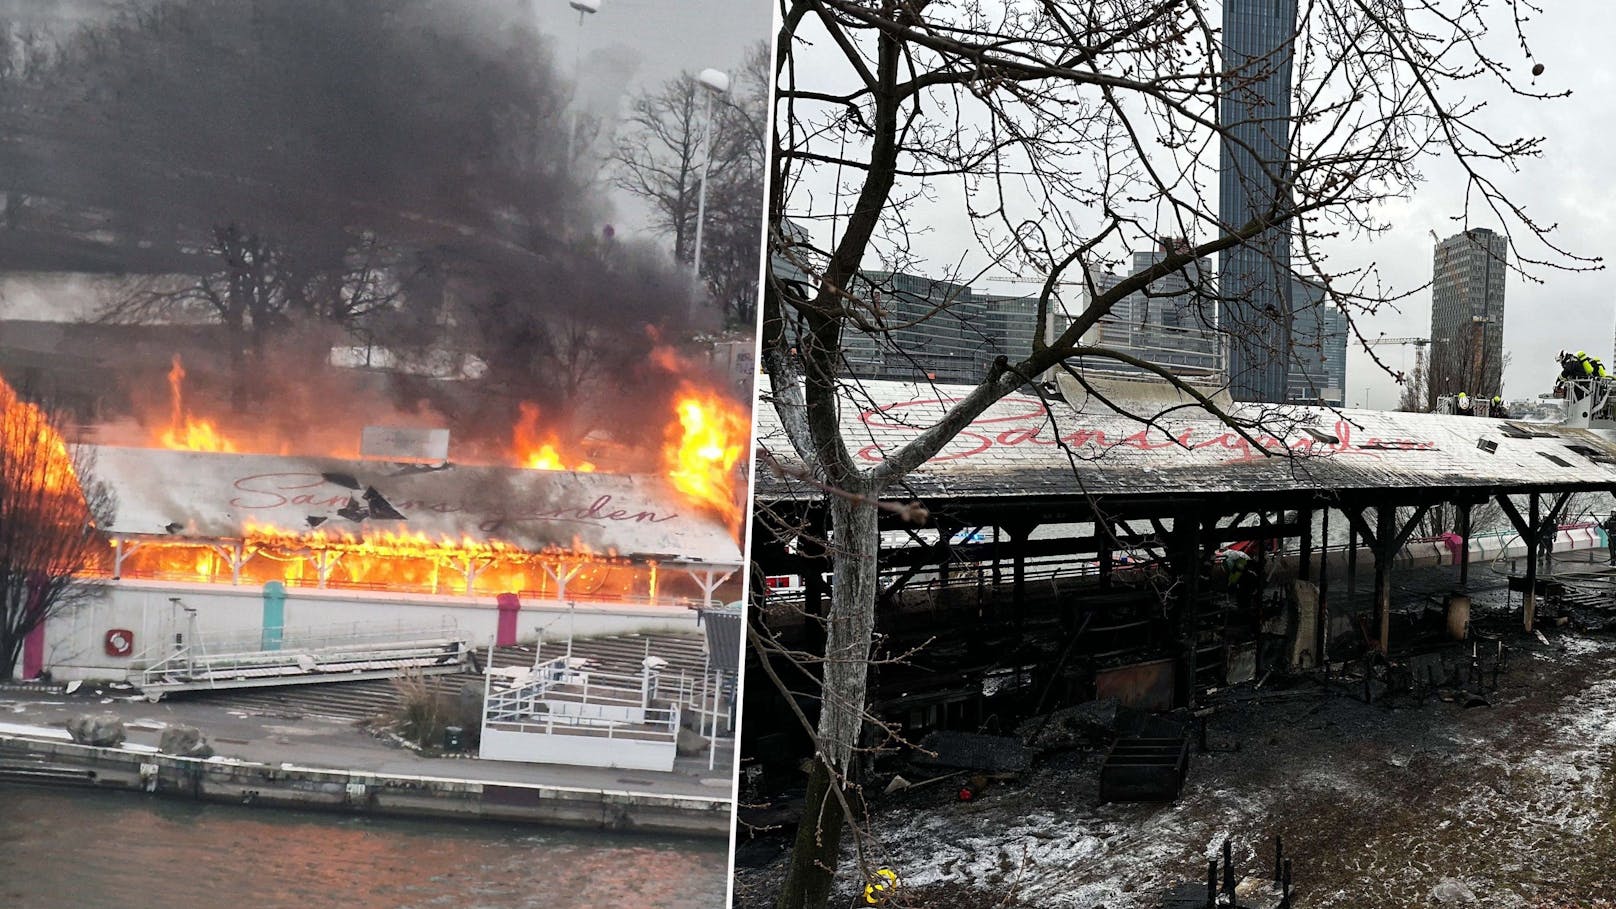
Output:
[[716, 82], [584, 8]]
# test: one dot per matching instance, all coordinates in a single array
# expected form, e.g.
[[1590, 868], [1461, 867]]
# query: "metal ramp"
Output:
[[303, 657], [562, 712]]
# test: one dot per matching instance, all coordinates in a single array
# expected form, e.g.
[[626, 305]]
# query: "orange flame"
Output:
[[535, 449], [702, 451], [382, 559], [35, 458], [185, 433]]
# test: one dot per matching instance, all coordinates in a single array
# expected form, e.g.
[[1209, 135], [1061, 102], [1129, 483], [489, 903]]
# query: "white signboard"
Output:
[[403, 443]]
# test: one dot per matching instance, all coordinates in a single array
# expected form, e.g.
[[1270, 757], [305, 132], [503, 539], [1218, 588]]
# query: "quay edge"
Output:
[[24, 759]]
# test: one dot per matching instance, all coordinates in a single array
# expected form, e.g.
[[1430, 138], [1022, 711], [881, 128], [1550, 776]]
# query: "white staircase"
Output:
[[303, 657]]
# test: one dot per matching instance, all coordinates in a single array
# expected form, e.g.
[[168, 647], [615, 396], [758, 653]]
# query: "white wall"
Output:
[[74, 643], [578, 750]]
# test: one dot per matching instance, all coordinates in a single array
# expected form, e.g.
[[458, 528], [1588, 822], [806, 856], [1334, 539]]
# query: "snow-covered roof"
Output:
[[217, 496], [1022, 447]]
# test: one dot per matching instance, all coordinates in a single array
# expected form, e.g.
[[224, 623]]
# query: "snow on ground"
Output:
[[1378, 806], [55, 734], [35, 732]]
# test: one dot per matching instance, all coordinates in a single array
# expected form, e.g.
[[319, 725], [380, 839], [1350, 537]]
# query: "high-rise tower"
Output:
[[1467, 314], [1254, 110]]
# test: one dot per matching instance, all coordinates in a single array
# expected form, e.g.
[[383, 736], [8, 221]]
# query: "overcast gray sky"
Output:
[[633, 45], [627, 47], [1570, 186]]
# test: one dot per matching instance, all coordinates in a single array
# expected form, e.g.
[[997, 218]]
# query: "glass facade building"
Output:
[[1171, 323], [1254, 277], [1318, 365]]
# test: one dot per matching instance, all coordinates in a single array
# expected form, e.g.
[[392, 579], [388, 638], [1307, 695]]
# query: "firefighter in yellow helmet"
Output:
[[880, 887]]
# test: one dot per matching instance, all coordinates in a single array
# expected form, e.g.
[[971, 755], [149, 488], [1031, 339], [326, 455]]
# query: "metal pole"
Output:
[[706, 159], [701, 702], [712, 740], [577, 72]]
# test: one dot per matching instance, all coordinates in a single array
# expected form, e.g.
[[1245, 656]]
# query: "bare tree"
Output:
[[1412, 398], [659, 157], [1071, 130], [263, 284], [1463, 364], [50, 506]]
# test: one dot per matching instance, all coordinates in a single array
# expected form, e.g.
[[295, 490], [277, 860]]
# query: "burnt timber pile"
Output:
[[1073, 553]]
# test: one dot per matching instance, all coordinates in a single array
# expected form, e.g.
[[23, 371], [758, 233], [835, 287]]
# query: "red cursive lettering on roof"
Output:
[[269, 491], [1036, 429]]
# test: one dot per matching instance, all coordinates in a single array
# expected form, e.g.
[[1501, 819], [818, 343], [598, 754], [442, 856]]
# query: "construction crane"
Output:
[[1417, 342]]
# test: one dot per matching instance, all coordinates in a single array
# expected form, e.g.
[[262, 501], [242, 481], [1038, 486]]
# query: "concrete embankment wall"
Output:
[[1075, 578], [287, 786], [1448, 549]]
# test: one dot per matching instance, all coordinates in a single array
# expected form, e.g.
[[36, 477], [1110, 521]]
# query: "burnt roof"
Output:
[[211, 496], [1025, 448]]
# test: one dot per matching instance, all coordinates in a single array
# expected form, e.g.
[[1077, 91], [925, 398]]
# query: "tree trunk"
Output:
[[819, 839], [853, 546]]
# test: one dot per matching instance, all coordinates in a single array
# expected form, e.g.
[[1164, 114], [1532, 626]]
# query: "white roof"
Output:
[[216, 496], [1022, 447]]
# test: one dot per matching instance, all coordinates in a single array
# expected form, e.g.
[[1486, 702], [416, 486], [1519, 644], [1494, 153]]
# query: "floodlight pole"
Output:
[[716, 82]]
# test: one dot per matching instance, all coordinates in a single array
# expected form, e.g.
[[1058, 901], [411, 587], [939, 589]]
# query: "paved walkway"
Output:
[[326, 743]]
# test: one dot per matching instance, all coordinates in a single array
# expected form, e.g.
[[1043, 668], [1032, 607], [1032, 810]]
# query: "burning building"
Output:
[[214, 532]]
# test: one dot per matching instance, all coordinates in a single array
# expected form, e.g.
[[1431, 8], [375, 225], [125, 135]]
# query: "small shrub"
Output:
[[422, 712]]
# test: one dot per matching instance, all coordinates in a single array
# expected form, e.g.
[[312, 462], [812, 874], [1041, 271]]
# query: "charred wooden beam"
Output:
[[1321, 618], [1531, 528], [1304, 566], [1464, 549], [1184, 555]]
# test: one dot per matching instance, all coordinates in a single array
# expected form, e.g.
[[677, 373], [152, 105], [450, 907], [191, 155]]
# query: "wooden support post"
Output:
[[813, 606], [1529, 600], [1531, 529], [1384, 541], [1185, 548], [997, 576], [1352, 566], [1321, 631], [945, 549], [1464, 545], [1102, 533], [1304, 565], [1259, 564], [1385, 551], [1019, 534]]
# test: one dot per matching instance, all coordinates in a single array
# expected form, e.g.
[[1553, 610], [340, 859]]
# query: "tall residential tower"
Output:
[[1467, 314]]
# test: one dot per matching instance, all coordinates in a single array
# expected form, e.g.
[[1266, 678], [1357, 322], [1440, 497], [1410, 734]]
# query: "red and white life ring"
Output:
[[120, 642]]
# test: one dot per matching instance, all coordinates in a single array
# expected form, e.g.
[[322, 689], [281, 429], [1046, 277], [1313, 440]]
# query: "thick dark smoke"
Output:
[[401, 174]]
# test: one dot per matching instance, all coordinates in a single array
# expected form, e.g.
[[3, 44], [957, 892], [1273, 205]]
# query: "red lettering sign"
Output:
[[1035, 426], [304, 491]]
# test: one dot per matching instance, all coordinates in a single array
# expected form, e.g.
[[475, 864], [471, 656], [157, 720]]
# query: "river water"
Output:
[[73, 849]]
